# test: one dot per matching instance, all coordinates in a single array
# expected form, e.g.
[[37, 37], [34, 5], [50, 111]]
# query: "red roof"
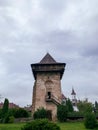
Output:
[[63, 97], [11, 105]]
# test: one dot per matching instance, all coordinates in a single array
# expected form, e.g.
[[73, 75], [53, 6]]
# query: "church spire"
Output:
[[74, 100]]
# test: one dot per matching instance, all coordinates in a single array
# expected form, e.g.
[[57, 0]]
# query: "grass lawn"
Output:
[[72, 126], [63, 126], [11, 126]]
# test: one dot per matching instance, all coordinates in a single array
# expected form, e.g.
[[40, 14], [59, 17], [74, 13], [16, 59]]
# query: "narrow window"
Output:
[[49, 95]]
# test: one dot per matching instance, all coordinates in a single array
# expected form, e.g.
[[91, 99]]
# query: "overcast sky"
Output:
[[67, 29]]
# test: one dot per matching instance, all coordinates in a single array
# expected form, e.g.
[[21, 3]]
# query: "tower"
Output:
[[74, 100], [47, 87]]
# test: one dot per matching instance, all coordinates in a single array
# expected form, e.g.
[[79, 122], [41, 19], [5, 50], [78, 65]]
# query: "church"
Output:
[[47, 86]]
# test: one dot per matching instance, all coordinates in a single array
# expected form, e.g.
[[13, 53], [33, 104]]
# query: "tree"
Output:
[[19, 113], [96, 105], [62, 113], [5, 107], [69, 105], [40, 113], [84, 106], [90, 121]]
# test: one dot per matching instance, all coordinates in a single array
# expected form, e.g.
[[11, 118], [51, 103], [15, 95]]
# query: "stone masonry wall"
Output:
[[40, 91]]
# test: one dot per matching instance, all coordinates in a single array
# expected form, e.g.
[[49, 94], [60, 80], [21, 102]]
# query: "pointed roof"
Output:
[[73, 92], [48, 59], [63, 96], [48, 64]]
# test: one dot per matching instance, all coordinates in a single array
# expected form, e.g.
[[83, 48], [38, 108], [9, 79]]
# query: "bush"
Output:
[[0, 113], [40, 114], [75, 115], [85, 107], [8, 119], [11, 119], [90, 121], [41, 124], [19, 113], [62, 113], [69, 105]]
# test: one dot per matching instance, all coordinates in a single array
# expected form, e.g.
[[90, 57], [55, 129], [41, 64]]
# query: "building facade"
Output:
[[47, 87]]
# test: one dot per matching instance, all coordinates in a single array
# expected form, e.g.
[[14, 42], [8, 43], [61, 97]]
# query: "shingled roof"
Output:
[[48, 59], [48, 64], [73, 92]]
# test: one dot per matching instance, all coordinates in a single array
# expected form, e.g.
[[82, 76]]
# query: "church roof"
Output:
[[48, 59], [73, 92]]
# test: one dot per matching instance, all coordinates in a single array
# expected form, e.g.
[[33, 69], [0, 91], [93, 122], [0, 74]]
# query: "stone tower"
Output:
[[47, 87]]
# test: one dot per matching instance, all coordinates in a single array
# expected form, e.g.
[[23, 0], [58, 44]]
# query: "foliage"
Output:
[[90, 121], [4, 111], [96, 108], [9, 119], [62, 113], [5, 108], [63, 126], [0, 113], [96, 105], [41, 124], [20, 112], [14, 113], [40, 114], [84, 106], [69, 105], [75, 115]]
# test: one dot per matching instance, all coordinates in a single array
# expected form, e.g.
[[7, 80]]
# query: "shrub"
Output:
[[21, 113], [84, 106], [8, 119], [69, 105], [90, 121], [75, 115], [40, 114], [11, 119], [62, 113], [41, 124], [0, 113]]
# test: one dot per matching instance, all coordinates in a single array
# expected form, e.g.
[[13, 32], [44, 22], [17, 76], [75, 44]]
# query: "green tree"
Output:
[[5, 107], [40, 113], [5, 110], [84, 106], [62, 113], [18, 113], [69, 105], [90, 121], [96, 105]]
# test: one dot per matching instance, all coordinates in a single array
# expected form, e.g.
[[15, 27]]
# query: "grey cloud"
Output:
[[39, 27], [4, 3], [54, 6]]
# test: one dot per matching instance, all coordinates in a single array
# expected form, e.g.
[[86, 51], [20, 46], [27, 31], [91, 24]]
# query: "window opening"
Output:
[[49, 95]]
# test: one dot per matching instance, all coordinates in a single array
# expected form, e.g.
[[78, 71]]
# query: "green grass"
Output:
[[72, 126], [11, 126], [63, 126]]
